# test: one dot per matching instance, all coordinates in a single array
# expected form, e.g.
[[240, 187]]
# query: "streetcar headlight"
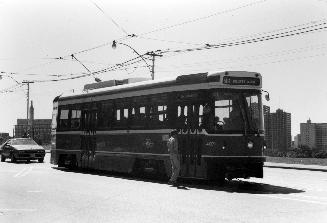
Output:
[[250, 144], [224, 145]]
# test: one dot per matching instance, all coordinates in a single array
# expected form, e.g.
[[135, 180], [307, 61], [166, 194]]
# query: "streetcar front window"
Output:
[[254, 112], [232, 112]]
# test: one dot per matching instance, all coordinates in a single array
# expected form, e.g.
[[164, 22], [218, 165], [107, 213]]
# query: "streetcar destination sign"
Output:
[[241, 80]]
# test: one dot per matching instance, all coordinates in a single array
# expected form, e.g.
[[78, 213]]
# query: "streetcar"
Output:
[[123, 126]]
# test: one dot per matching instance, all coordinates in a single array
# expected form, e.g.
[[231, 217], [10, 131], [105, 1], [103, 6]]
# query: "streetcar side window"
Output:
[[122, 115], [200, 115], [152, 115], [162, 111], [142, 114], [125, 114], [118, 115], [182, 116], [105, 115], [157, 111], [75, 119]]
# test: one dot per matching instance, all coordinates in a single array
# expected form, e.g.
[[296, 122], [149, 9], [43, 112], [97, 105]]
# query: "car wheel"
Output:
[[13, 159], [3, 158], [41, 160]]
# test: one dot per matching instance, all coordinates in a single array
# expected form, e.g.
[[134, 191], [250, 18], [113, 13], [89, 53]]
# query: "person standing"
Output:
[[172, 145]]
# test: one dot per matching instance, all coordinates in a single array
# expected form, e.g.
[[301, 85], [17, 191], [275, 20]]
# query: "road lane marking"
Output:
[[24, 172], [28, 171], [293, 199], [34, 191], [309, 196], [20, 172], [16, 209]]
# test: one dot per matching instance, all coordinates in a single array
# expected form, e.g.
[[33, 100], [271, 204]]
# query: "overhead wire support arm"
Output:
[[6, 75], [95, 78], [151, 68]]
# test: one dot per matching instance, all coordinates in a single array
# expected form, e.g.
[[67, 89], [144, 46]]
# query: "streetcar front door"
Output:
[[88, 138], [190, 141]]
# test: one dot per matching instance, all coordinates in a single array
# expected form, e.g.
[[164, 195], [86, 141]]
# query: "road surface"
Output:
[[39, 192]]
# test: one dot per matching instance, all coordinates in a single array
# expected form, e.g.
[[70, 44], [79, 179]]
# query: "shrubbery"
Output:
[[303, 152]]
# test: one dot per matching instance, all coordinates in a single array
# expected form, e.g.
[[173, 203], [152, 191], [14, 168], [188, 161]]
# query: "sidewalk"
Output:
[[295, 166]]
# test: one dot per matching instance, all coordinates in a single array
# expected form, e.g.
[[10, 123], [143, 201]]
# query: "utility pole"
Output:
[[28, 100], [154, 55]]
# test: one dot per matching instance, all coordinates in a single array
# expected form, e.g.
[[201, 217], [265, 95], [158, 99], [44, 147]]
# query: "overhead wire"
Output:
[[241, 66], [292, 32], [10, 89], [168, 41], [121, 66], [298, 31], [109, 17], [255, 57], [235, 38], [204, 17], [129, 36]]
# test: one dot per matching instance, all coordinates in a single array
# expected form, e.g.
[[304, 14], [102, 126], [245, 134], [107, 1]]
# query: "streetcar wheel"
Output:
[[3, 158], [72, 163], [40, 160]]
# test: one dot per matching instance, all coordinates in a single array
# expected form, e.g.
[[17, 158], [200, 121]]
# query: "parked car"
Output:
[[22, 149]]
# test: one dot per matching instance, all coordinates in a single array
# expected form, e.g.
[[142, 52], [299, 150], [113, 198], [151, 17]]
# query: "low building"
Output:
[[3, 137], [40, 130], [314, 135]]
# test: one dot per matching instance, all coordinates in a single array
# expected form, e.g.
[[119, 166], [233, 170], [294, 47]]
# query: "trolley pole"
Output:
[[154, 55], [28, 101]]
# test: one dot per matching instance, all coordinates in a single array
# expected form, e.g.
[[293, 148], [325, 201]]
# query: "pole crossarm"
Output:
[[154, 55]]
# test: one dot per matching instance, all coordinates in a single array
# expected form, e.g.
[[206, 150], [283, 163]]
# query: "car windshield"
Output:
[[23, 142]]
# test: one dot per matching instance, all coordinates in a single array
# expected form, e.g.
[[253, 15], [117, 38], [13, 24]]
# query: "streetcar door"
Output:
[[190, 141], [88, 138]]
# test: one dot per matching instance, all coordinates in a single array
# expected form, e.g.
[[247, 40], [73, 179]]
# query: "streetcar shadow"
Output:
[[233, 186], [239, 186]]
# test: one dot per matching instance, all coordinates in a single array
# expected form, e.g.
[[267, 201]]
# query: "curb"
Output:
[[297, 167]]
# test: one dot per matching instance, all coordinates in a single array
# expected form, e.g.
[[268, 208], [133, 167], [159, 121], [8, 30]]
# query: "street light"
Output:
[[151, 68]]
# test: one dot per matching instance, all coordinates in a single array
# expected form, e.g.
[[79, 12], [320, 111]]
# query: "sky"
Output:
[[35, 33]]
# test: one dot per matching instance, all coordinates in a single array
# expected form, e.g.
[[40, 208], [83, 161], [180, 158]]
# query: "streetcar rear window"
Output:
[[63, 118]]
